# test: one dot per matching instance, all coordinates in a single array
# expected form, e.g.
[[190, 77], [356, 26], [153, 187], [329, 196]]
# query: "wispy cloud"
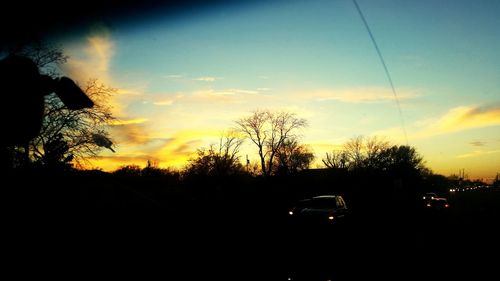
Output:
[[90, 60], [359, 95], [478, 153], [128, 122], [462, 118], [454, 120], [225, 95], [163, 99], [130, 134], [173, 76], [164, 102], [206, 79], [478, 143]]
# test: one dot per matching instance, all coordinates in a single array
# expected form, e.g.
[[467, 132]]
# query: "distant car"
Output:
[[429, 196], [437, 203], [330, 209]]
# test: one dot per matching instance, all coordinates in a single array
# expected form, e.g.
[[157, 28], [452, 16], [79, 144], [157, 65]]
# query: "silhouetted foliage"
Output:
[[362, 153], [268, 131], [217, 160], [128, 170], [75, 128], [56, 154], [292, 157], [153, 171]]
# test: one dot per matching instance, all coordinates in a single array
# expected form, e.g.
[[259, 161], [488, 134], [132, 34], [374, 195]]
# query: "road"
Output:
[[229, 243]]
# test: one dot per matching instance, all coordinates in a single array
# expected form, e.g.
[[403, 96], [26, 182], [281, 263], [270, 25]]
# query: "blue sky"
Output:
[[183, 79]]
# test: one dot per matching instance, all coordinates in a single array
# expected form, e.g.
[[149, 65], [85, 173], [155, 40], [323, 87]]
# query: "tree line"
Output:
[[69, 137]]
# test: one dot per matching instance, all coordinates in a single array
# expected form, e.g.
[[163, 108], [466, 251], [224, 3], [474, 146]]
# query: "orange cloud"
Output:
[[174, 151], [130, 134], [459, 119], [128, 122], [112, 163], [455, 120]]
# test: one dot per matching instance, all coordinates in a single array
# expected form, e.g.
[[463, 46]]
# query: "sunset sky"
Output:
[[183, 79]]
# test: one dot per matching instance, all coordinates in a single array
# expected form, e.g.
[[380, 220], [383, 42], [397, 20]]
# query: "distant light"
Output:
[[290, 213], [331, 217], [428, 204], [446, 205]]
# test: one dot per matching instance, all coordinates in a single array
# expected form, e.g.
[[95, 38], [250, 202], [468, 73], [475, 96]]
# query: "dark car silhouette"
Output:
[[437, 203], [324, 209]]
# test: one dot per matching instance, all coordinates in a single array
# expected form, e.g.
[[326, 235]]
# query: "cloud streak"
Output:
[[454, 120], [478, 153], [462, 118], [478, 143], [128, 122], [206, 79]]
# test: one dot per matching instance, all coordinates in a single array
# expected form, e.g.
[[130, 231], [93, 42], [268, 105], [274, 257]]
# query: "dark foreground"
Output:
[[217, 238]]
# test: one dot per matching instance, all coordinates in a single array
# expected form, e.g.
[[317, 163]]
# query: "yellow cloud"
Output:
[[174, 151], [478, 153], [455, 120], [164, 102], [130, 134], [112, 163], [206, 79], [128, 122], [459, 119]]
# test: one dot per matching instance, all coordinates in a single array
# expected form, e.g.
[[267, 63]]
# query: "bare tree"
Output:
[[375, 152], [77, 127], [336, 159], [217, 160], [71, 133], [268, 131], [354, 150]]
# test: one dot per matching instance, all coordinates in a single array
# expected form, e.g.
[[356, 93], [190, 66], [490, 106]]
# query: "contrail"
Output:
[[385, 68]]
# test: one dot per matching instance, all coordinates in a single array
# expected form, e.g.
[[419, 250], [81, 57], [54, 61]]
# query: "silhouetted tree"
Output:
[[355, 152], [292, 157], [217, 160], [403, 159], [128, 170], [336, 160], [361, 153], [75, 128], [56, 154], [268, 131]]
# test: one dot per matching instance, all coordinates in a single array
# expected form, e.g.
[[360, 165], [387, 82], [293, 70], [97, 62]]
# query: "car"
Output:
[[429, 196], [437, 203], [329, 209]]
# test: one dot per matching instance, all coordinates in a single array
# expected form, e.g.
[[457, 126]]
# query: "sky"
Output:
[[183, 79]]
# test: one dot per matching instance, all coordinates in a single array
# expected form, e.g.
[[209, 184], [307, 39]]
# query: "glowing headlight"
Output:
[[331, 217], [290, 213]]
